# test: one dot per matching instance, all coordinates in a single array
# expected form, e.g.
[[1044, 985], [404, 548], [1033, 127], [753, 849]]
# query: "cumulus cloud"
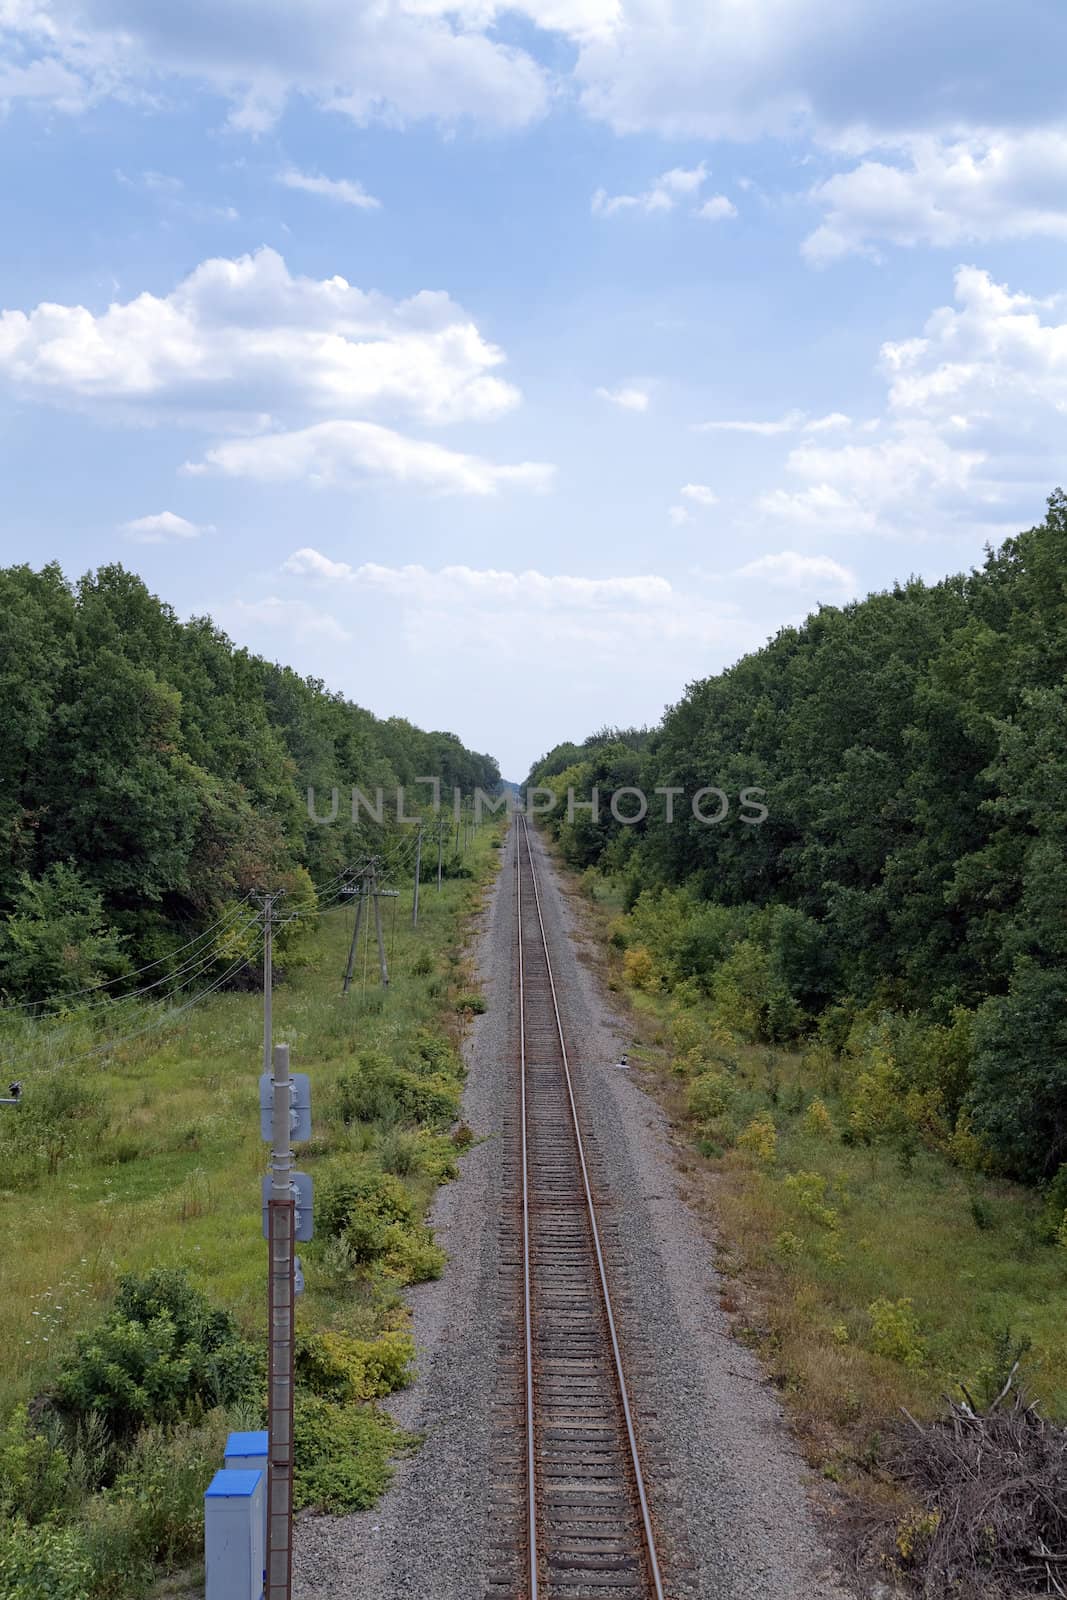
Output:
[[669, 190], [692, 68], [820, 506], [592, 618], [397, 61], [788, 570], [679, 515], [699, 493], [241, 332], [345, 191], [717, 208], [942, 192], [628, 398], [342, 453], [973, 427], [163, 525], [713, 69]]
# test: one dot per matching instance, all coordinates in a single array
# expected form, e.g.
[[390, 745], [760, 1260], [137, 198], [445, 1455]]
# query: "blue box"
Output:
[[235, 1506]]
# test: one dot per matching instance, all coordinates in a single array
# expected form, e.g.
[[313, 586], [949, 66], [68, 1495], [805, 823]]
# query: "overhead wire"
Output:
[[105, 983]]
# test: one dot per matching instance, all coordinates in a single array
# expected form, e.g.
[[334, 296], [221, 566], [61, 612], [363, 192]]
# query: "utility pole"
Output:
[[440, 849], [378, 929], [418, 874], [281, 1224], [268, 979], [362, 892]]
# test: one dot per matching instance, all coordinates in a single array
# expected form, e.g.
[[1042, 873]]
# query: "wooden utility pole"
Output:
[[355, 936], [418, 874], [378, 929]]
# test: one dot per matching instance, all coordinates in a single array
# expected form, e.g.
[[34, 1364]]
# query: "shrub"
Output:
[[709, 1096], [895, 1332], [639, 969], [807, 1191], [34, 1470], [349, 1190], [43, 1563], [411, 1256], [472, 1003], [376, 1091], [163, 1352], [342, 1454], [339, 1367], [740, 989], [162, 1486], [760, 1138], [818, 1121], [57, 939]]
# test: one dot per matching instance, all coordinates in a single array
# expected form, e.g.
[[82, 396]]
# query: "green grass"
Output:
[[162, 1164], [822, 1240]]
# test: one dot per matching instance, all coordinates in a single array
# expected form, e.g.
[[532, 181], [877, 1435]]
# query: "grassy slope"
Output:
[[174, 1178], [963, 1248]]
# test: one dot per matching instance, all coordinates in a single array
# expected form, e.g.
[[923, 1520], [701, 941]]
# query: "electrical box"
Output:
[[247, 1452], [235, 1523], [299, 1109], [303, 1193]]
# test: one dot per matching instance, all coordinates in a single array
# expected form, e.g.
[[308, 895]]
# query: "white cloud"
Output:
[[792, 422], [991, 185], [498, 612], [246, 334], [344, 190], [530, 586], [628, 398], [788, 570], [663, 195], [683, 180], [716, 209], [834, 419], [787, 424], [973, 430], [390, 60], [699, 493], [342, 453], [715, 69], [820, 506], [692, 68], [678, 515], [163, 525]]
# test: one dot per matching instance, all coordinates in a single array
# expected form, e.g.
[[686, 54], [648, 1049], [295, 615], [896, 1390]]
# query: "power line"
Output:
[[106, 983]]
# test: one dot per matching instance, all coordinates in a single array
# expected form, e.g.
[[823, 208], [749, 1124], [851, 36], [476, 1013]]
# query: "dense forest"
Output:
[[151, 774], [912, 867]]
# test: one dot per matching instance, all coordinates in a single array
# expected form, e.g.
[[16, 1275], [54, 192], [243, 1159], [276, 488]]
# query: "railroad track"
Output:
[[574, 1492]]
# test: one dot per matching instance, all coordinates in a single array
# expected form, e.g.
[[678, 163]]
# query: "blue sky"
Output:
[[510, 368]]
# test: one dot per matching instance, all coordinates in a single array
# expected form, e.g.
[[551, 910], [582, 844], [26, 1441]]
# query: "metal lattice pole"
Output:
[[281, 1212]]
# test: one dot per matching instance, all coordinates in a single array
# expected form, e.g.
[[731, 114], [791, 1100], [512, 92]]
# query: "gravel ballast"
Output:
[[727, 1483]]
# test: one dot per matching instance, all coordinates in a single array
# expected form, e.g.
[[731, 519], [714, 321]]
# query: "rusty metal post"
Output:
[[282, 1307]]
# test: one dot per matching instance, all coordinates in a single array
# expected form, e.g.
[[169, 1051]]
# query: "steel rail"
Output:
[[531, 1437], [654, 1573]]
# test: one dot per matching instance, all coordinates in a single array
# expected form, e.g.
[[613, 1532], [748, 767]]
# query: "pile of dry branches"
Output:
[[991, 1493]]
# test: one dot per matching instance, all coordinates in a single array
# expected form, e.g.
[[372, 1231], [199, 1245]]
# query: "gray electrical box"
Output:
[[302, 1189], [300, 1108]]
